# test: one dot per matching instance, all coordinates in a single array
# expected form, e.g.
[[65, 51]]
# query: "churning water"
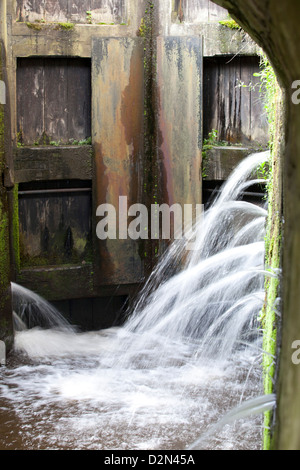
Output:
[[188, 354]]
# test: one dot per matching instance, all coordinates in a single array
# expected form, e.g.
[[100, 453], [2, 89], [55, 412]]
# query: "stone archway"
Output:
[[274, 26]]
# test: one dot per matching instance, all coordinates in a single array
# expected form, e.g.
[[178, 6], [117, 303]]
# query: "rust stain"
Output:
[[165, 128], [104, 265], [180, 12], [118, 133], [132, 120]]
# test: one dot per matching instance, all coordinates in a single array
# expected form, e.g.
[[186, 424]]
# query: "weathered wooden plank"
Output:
[[53, 163], [246, 78], [179, 81], [56, 100], [259, 119], [78, 10], [67, 282], [58, 92], [78, 99], [107, 11], [30, 100], [230, 104], [233, 134], [192, 11], [56, 10], [225, 85], [55, 228], [238, 90], [30, 11], [210, 97], [221, 161], [196, 11]]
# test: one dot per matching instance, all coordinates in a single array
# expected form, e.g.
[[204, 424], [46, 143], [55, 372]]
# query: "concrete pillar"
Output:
[[179, 82], [117, 117]]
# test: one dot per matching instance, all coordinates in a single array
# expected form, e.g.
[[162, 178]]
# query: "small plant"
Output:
[[89, 17], [268, 89], [34, 26], [142, 29], [207, 145], [263, 171], [212, 138], [66, 26], [20, 140], [231, 24], [87, 141]]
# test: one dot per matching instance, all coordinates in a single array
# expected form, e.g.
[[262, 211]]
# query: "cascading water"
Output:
[[30, 311], [188, 353]]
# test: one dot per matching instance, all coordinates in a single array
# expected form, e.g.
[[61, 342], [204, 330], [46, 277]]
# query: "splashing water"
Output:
[[188, 353], [30, 310]]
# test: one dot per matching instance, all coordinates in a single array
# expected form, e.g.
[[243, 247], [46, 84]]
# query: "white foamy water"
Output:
[[189, 353], [69, 395]]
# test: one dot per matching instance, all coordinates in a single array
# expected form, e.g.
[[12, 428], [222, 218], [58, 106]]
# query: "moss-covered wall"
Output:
[[5, 272], [275, 26], [271, 312]]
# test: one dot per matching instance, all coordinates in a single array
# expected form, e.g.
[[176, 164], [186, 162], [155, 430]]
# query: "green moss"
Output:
[[147, 248], [142, 29], [34, 26], [45, 141], [4, 222], [66, 26], [6, 333], [230, 23], [269, 316], [1, 139], [15, 224], [89, 18], [4, 252]]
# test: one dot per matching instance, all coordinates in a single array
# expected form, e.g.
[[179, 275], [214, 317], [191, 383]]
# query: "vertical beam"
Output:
[[179, 79], [117, 133], [5, 269]]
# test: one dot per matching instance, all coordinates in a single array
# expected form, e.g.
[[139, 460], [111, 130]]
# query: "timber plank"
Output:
[[57, 91], [30, 86]]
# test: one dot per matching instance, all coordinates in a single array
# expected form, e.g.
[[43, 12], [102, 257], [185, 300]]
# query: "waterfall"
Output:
[[215, 298], [31, 310], [189, 352]]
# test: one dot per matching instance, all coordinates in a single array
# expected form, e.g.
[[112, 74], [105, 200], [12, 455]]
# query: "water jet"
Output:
[[190, 349]]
